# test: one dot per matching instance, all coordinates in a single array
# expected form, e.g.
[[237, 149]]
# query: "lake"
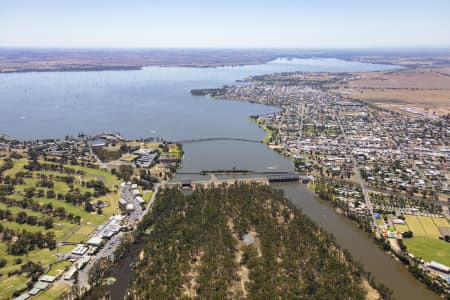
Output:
[[156, 102], [153, 102]]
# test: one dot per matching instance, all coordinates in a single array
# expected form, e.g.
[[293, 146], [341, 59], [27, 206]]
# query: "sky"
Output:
[[225, 24]]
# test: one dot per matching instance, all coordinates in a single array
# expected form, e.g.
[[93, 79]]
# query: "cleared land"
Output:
[[426, 90], [425, 242]]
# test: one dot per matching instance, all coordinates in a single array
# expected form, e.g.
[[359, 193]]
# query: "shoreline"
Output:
[[86, 67], [402, 258]]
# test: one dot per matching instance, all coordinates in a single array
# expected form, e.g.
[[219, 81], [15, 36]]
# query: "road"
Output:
[[358, 174], [112, 244]]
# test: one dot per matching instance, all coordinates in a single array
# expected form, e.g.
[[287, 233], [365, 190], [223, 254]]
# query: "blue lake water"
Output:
[[153, 102], [156, 102]]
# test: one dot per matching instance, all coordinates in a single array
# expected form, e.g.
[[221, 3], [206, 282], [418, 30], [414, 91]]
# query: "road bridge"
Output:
[[187, 183]]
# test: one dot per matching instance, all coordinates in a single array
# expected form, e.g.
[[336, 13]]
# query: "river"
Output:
[[383, 267], [156, 102]]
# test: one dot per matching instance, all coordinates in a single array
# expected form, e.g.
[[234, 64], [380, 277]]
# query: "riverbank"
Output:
[[401, 260], [327, 133], [382, 267], [393, 246], [250, 265]]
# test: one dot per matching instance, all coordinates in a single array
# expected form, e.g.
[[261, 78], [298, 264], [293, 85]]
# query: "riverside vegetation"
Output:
[[241, 241]]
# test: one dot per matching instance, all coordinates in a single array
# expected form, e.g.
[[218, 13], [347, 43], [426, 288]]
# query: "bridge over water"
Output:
[[268, 177], [216, 139]]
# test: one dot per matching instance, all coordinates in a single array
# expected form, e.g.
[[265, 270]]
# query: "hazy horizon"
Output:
[[200, 24]]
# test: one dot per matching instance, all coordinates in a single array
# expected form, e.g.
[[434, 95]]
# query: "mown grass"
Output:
[[8, 285], [18, 167], [425, 242], [147, 196], [429, 249], [58, 268], [61, 227], [429, 226], [80, 235], [441, 222], [401, 227], [415, 226]]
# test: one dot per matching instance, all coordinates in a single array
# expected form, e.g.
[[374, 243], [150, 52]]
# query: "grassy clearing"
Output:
[[113, 200], [429, 226], [147, 196], [175, 151], [425, 226], [415, 226], [401, 227], [16, 210], [80, 235], [8, 285], [429, 249], [441, 222], [110, 180], [58, 268], [146, 145], [425, 242], [18, 167]]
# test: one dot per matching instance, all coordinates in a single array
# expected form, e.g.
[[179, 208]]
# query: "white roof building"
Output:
[[79, 250]]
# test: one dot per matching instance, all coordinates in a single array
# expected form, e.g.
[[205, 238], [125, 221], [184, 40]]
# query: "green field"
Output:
[[441, 222], [429, 226], [80, 235], [429, 249], [415, 226], [147, 196], [10, 284], [61, 227], [58, 268], [401, 227], [425, 242]]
